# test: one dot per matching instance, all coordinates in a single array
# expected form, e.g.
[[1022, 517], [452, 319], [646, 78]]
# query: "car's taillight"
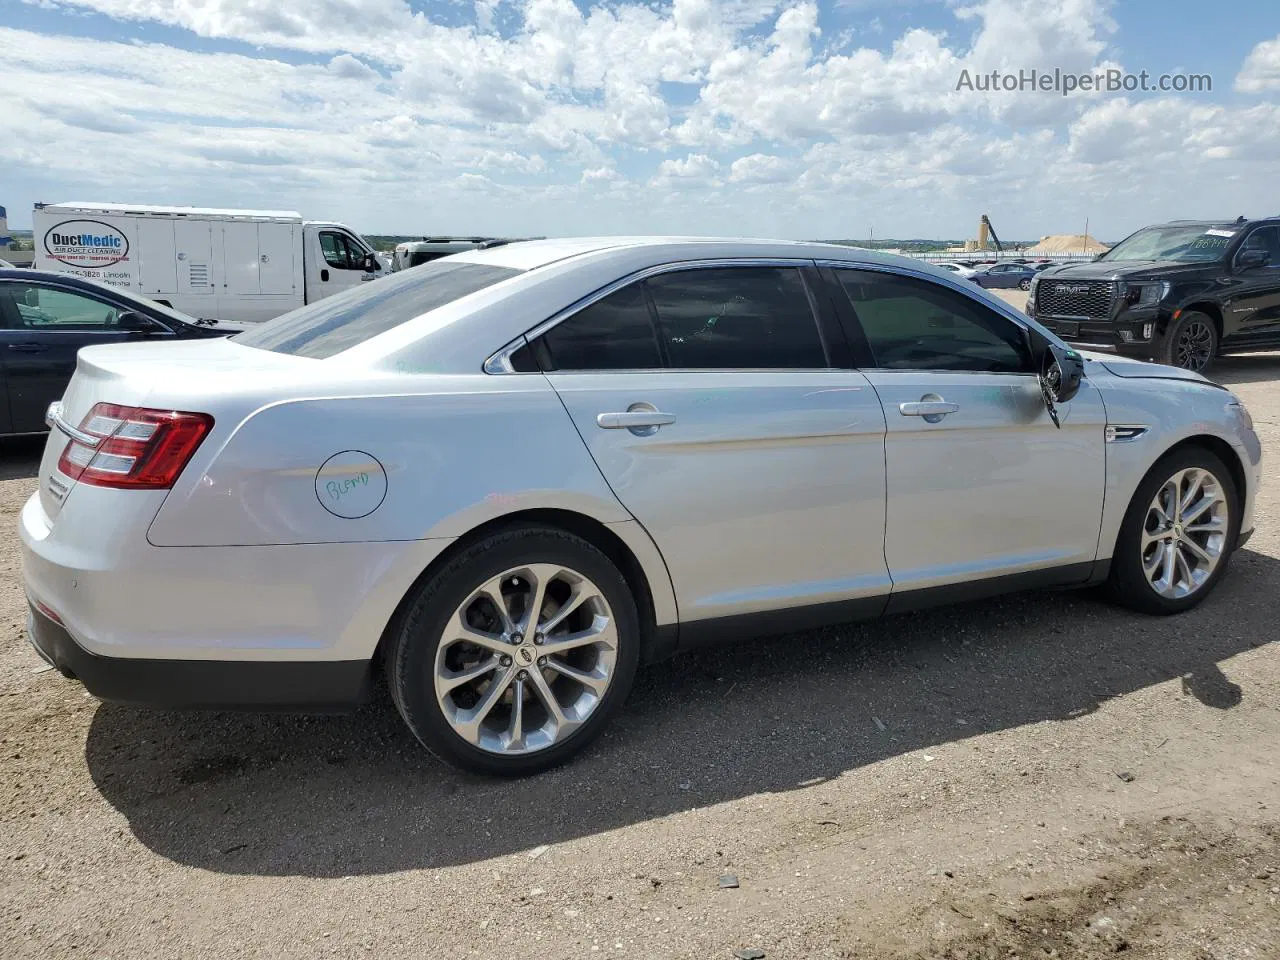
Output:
[[137, 448]]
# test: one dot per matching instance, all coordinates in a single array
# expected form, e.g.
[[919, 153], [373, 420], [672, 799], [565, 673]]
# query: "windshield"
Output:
[[340, 322], [1189, 243]]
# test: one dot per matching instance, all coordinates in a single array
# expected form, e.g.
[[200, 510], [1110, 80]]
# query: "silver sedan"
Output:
[[502, 480]]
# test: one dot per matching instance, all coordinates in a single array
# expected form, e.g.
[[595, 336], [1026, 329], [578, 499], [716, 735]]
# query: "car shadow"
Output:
[[20, 457], [1245, 368], [348, 795]]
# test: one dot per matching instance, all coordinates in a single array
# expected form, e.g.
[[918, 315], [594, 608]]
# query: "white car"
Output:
[[508, 477], [959, 269]]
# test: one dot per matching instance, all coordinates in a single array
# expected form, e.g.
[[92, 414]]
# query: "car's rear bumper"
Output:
[[216, 685], [286, 607], [307, 686]]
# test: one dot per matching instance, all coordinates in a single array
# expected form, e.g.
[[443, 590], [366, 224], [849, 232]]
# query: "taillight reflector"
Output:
[[48, 612], [138, 448]]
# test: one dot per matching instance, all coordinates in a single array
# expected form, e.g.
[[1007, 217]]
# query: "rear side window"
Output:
[[340, 322], [746, 318], [913, 324], [614, 333], [741, 317]]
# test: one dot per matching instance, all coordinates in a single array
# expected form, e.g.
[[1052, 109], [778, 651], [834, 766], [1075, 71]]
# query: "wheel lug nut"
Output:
[[523, 675], [517, 638], [505, 661], [542, 661], [538, 638]]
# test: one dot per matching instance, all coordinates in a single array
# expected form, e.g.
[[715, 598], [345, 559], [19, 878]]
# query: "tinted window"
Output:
[[917, 325], [44, 308], [338, 323], [1266, 239], [742, 317], [334, 249], [614, 333]]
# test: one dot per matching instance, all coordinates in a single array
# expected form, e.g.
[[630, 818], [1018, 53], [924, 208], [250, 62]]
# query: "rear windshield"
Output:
[[344, 320]]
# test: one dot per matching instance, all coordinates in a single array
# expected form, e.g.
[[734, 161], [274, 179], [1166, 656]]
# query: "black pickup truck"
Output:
[[1180, 293]]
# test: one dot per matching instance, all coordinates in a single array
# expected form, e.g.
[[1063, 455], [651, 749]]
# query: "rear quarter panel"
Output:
[[456, 453]]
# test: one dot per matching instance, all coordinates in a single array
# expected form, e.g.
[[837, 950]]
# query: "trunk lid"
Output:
[[176, 375]]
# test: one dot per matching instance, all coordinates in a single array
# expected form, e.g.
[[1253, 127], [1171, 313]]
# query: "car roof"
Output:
[[532, 254], [549, 275]]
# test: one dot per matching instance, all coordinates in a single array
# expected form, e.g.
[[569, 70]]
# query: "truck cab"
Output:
[[336, 258]]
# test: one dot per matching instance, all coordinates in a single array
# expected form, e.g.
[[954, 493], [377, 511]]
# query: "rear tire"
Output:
[[472, 679], [1169, 557], [1192, 342], [1024, 284]]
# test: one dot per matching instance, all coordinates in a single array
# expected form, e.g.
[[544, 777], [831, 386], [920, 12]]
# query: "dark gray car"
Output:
[[1005, 276]]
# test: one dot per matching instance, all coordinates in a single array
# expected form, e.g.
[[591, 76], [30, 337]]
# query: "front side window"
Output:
[[1266, 239], [340, 322], [46, 308], [738, 317], [334, 248], [913, 324]]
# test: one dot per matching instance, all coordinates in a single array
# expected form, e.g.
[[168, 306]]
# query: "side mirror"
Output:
[[31, 298], [371, 264], [136, 322], [1248, 259], [1060, 373]]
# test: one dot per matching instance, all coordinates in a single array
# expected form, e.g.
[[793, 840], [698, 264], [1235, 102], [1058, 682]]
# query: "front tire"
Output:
[[1024, 284], [1192, 342], [1178, 534], [513, 656]]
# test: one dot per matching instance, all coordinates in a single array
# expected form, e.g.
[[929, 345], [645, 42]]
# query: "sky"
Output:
[[837, 119]]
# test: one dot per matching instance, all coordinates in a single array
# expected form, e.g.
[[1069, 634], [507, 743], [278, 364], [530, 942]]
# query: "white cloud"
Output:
[[394, 120], [760, 168], [1261, 70]]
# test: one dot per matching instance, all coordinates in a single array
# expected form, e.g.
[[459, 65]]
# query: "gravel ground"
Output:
[[1040, 776]]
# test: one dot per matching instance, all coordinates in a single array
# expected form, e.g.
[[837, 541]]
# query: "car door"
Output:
[[981, 484], [1252, 311], [343, 265], [707, 397], [45, 325]]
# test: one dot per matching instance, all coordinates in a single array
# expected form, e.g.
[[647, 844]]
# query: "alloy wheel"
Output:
[[525, 659], [1184, 535], [1194, 347]]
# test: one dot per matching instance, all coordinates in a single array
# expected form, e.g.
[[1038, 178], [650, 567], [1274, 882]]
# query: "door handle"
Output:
[[931, 406], [26, 348], [634, 420]]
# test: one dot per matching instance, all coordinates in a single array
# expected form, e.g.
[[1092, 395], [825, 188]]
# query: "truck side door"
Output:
[[341, 264], [1252, 312]]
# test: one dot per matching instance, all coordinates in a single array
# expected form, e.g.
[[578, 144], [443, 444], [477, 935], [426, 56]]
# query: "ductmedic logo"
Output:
[[86, 243]]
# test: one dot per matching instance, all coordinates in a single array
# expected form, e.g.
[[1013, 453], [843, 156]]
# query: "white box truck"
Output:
[[245, 265]]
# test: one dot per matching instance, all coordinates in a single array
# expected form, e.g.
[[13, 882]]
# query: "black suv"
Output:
[[1180, 293]]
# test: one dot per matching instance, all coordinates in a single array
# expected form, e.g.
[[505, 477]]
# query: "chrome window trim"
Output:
[[500, 362]]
